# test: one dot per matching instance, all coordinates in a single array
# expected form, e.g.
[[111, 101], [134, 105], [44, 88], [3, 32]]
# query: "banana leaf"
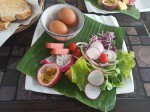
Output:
[[29, 64], [131, 11]]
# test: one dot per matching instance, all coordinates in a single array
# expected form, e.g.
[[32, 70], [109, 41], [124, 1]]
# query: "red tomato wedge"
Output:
[[77, 53], [72, 47], [103, 58]]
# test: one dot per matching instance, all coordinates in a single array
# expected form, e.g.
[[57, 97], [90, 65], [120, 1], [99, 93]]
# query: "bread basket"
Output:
[[23, 27]]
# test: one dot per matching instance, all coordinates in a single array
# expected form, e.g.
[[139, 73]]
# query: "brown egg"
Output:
[[58, 27], [67, 16]]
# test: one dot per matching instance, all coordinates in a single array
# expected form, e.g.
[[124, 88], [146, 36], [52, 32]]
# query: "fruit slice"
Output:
[[60, 51], [54, 45], [131, 2], [48, 74], [99, 2], [91, 91], [122, 5], [93, 53], [96, 78], [68, 74], [63, 61], [110, 4], [50, 59], [98, 45], [126, 1]]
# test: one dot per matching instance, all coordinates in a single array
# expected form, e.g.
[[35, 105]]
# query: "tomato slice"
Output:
[[77, 53], [72, 47], [103, 58]]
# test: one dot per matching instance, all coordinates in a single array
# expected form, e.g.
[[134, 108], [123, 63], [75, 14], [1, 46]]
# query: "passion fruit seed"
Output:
[[110, 2], [49, 75], [46, 78], [51, 71]]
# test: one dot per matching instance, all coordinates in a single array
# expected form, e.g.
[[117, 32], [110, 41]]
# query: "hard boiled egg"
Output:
[[67, 16], [58, 27]]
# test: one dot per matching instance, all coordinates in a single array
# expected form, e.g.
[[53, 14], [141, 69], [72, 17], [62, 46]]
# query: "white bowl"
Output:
[[50, 14]]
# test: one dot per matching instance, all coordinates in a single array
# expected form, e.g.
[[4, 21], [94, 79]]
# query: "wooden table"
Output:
[[14, 98]]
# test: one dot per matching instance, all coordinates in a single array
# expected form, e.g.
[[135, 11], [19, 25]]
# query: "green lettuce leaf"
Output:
[[115, 73], [125, 62], [80, 73]]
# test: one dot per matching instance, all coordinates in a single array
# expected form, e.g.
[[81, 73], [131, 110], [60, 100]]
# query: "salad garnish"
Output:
[[100, 54]]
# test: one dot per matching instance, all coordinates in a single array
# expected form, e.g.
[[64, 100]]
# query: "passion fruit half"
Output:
[[49, 74], [109, 4]]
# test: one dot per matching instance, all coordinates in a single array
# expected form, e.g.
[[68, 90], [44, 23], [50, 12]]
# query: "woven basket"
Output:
[[23, 27]]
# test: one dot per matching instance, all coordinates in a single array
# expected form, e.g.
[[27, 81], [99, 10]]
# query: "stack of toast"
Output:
[[11, 10]]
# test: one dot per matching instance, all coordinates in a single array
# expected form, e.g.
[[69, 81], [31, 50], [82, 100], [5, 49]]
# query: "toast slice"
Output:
[[4, 25], [11, 10]]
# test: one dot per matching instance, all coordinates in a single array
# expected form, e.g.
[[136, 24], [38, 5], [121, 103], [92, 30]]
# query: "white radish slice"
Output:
[[93, 53], [98, 45], [96, 77], [92, 92], [111, 55]]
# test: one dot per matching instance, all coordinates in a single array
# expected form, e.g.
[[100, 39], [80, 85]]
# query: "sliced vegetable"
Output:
[[92, 92], [72, 47], [96, 77], [77, 53], [111, 55], [48, 74], [98, 45], [93, 53], [106, 39], [94, 63], [103, 58]]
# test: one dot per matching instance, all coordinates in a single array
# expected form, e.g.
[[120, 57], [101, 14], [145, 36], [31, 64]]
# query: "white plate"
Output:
[[142, 5], [31, 84]]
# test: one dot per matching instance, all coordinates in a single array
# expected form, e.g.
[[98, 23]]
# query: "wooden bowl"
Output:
[[23, 27]]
